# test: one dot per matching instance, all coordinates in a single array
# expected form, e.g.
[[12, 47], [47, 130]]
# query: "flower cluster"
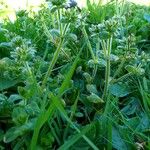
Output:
[[23, 51], [107, 28]]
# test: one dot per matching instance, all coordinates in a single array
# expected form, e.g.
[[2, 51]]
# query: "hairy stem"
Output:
[[55, 57], [88, 43], [107, 48]]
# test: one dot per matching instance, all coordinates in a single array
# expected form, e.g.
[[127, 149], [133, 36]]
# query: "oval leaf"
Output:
[[119, 90], [94, 98]]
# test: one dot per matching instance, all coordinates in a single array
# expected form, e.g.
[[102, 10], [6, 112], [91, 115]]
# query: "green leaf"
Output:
[[72, 37], [114, 57], [144, 123], [11, 134], [94, 98], [2, 98], [17, 131], [91, 63], [131, 107], [135, 70], [5, 45], [131, 69], [53, 9], [55, 33], [19, 115], [32, 109], [79, 114], [7, 83], [117, 140], [101, 62], [91, 88], [119, 90], [132, 122], [88, 77], [14, 97]]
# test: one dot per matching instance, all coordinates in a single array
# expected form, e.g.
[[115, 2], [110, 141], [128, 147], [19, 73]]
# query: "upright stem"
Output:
[[97, 47], [52, 63], [59, 22], [56, 54], [89, 44], [107, 49]]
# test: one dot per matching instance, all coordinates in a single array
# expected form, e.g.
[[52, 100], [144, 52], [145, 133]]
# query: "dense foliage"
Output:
[[76, 79]]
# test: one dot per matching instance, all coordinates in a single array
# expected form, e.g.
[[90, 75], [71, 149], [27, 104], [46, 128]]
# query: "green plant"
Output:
[[75, 79]]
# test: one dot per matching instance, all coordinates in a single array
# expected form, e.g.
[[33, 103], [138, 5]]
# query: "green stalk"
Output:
[[54, 133], [56, 55], [88, 43], [46, 31], [107, 74], [107, 49], [96, 56], [97, 46], [59, 22], [94, 71], [53, 62]]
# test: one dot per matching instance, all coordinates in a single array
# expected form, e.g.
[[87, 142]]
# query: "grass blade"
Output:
[[49, 113], [58, 105], [75, 138]]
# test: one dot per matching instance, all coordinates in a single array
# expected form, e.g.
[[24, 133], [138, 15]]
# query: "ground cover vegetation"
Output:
[[76, 79]]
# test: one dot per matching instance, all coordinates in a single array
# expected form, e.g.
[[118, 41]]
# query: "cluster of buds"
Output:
[[70, 16], [127, 44], [108, 27], [23, 51]]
